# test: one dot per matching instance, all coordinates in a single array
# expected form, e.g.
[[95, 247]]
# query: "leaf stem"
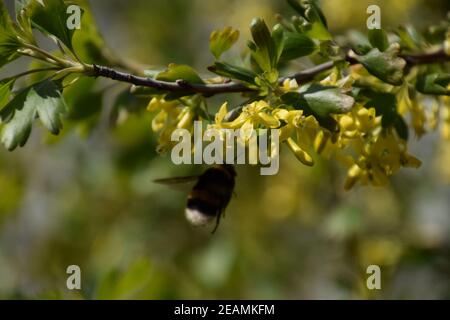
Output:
[[26, 73]]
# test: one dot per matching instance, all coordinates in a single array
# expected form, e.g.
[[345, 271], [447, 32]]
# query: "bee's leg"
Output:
[[217, 222]]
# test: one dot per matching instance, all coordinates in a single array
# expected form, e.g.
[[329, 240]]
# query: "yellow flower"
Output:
[[161, 104], [378, 158], [255, 114], [321, 140], [289, 85], [221, 114], [170, 117], [307, 128], [417, 111], [290, 118]]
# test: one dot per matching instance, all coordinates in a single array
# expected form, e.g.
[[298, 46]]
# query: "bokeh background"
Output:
[[89, 200]]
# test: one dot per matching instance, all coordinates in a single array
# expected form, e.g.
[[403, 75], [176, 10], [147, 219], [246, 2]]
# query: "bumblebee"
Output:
[[210, 195]]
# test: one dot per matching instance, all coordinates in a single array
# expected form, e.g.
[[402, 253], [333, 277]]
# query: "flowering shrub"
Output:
[[357, 103]]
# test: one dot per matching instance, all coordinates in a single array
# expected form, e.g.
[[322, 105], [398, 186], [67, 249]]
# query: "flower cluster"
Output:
[[376, 152], [171, 115], [370, 152]]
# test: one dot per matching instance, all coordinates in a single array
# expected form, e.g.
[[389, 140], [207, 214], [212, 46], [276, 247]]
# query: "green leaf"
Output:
[[385, 105], [234, 72], [319, 31], [278, 38], [378, 39], [127, 103], [19, 117], [179, 72], [409, 37], [434, 83], [401, 127], [8, 37], [83, 101], [50, 17], [321, 100], [49, 103], [6, 24], [265, 54], [327, 100], [222, 41], [89, 44], [297, 45], [41, 100], [386, 66], [5, 91], [313, 16]]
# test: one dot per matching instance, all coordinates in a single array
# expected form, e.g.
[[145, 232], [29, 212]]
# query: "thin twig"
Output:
[[235, 87]]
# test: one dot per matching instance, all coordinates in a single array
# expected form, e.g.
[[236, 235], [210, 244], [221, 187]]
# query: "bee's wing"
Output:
[[179, 183]]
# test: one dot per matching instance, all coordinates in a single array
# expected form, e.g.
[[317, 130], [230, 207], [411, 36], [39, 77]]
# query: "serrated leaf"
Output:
[[50, 17], [386, 66], [49, 103], [18, 128], [297, 45], [378, 39], [179, 72], [435, 83], [222, 41], [41, 100]]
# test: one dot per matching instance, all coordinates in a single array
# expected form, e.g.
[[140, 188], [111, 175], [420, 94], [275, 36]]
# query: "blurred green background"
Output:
[[89, 200]]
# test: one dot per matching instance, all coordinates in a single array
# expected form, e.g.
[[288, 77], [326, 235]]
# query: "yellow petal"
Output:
[[320, 141], [310, 122], [187, 118], [286, 132], [299, 153], [223, 111], [378, 176], [353, 175], [260, 106], [154, 105], [347, 123], [159, 121], [246, 130], [410, 161], [269, 120], [281, 114]]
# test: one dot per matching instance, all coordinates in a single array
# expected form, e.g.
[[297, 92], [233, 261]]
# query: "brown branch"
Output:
[[236, 87]]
